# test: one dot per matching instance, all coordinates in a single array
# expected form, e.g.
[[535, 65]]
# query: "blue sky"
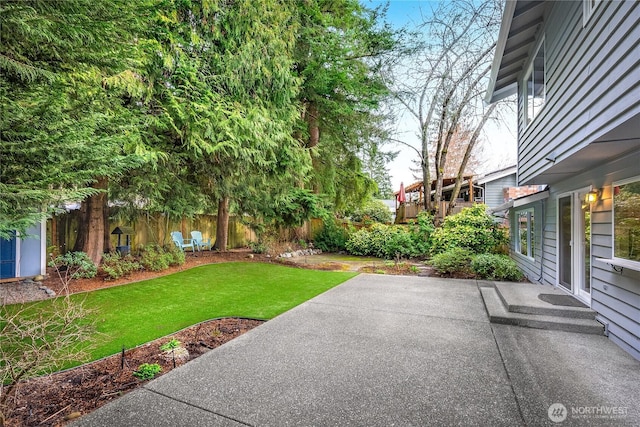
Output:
[[502, 152], [403, 12]]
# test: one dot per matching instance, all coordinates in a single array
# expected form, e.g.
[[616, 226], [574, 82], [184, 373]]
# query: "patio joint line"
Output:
[[198, 407], [506, 371]]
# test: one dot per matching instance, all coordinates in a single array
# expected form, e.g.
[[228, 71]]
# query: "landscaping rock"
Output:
[[300, 252]]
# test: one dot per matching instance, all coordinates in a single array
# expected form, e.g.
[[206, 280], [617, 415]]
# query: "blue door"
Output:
[[7, 258]]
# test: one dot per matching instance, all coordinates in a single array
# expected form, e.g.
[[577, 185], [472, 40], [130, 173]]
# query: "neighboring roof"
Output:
[[520, 23], [417, 186], [521, 201], [495, 175]]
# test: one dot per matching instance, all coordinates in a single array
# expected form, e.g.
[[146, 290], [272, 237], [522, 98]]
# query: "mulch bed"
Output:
[[55, 400]]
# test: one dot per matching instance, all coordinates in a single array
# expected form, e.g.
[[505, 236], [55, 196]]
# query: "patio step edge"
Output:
[[507, 297], [500, 315]]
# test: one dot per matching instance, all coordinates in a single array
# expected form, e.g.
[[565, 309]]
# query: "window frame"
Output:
[[530, 233], [588, 7], [530, 75], [633, 263]]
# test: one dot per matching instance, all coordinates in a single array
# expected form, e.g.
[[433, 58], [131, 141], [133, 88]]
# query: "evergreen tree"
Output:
[[339, 51], [61, 129]]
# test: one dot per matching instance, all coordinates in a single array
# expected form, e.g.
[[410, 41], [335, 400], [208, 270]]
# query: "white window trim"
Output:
[[525, 104], [531, 230], [587, 10], [634, 265]]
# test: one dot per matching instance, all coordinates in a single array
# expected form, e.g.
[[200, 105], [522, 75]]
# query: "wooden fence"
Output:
[[62, 230]]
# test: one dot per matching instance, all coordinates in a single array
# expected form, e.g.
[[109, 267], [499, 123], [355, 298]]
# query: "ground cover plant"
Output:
[[140, 312]]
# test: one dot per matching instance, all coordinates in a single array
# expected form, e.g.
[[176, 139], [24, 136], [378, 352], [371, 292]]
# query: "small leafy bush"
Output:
[[156, 258], [382, 241], [456, 260], [394, 241], [258, 247], [360, 243], [77, 265], [170, 345], [421, 233], [332, 237], [496, 267], [472, 228], [115, 265], [147, 371], [372, 211], [175, 256]]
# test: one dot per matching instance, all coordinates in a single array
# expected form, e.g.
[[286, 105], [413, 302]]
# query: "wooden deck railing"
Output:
[[410, 210]]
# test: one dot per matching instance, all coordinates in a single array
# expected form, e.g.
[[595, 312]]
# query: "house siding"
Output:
[[615, 295], [592, 82], [529, 266], [494, 190]]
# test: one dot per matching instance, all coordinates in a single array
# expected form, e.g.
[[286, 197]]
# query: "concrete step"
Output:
[[523, 298], [499, 314]]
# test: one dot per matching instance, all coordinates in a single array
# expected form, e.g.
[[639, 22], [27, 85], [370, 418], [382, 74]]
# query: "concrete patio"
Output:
[[392, 350]]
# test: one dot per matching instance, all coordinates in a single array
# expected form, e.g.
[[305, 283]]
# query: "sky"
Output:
[[499, 149]]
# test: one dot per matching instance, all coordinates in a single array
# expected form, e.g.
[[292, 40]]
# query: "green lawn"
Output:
[[133, 314]]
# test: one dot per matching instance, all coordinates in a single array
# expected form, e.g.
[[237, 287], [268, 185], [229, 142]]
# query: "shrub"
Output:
[[472, 228], [496, 267], [115, 266], [154, 258], [258, 247], [332, 237], [147, 371], [422, 232], [359, 243], [77, 265], [37, 340], [174, 255], [392, 241], [455, 260], [372, 211], [382, 241]]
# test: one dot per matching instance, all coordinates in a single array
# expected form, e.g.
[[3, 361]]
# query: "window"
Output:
[[535, 85], [525, 241], [626, 219], [588, 6]]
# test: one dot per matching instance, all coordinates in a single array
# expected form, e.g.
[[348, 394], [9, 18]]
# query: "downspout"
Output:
[[542, 241]]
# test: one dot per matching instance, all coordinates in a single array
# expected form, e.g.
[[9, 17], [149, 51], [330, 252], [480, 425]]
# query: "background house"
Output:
[[575, 67], [24, 256], [414, 198]]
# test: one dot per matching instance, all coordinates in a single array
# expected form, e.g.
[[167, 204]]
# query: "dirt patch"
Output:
[[56, 399], [403, 268]]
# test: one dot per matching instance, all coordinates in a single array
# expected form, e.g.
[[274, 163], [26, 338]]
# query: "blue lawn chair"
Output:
[[199, 241], [181, 242]]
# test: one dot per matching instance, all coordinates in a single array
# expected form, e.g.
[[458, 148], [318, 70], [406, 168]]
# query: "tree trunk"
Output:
[[222, 227], [426, 184], [313, 124], [91, 228], [107, 232], [467, 155]]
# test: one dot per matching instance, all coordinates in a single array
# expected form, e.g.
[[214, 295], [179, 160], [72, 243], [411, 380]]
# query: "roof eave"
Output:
[[507, 17]]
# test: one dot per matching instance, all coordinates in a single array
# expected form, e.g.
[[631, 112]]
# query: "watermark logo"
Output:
[[557, 412]]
